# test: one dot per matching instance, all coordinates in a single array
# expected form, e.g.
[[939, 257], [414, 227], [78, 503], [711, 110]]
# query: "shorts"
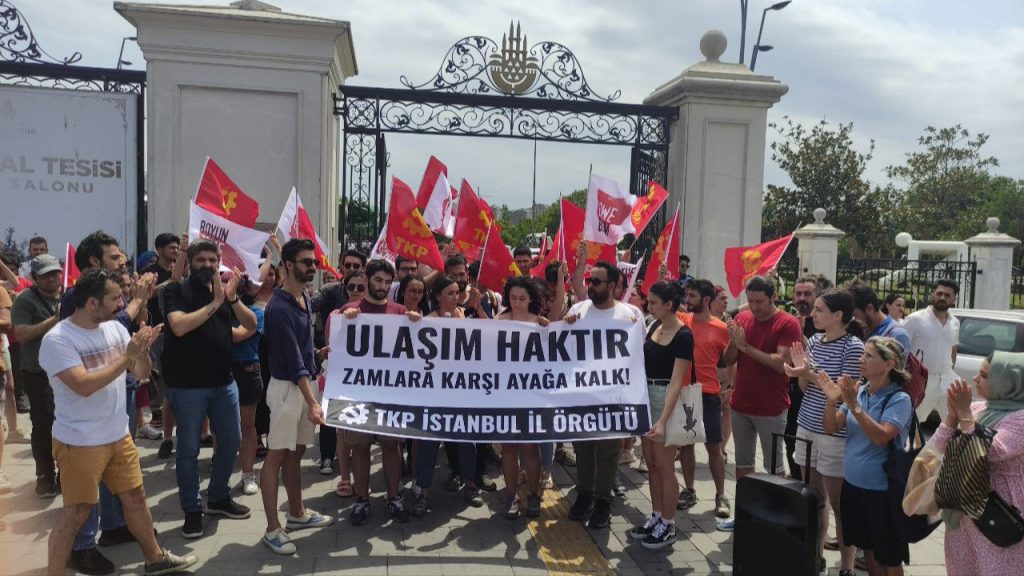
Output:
[[289, 425], [83, 467], [355, 438], [712, 418], [826, 452], [748, 430], [868, 524], [250, 383], [656, 399]]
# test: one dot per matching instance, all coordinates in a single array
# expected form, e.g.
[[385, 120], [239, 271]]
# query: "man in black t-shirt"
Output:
[[197, 371]]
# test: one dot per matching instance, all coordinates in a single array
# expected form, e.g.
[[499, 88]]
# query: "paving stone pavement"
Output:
[[453, 540]]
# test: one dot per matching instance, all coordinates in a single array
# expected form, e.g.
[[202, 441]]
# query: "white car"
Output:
[[985, 331]]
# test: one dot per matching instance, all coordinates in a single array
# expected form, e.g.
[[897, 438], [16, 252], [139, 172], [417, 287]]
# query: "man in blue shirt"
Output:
[[867, 311]]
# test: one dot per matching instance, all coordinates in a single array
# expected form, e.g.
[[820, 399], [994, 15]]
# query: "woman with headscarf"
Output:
[[1000, 384]]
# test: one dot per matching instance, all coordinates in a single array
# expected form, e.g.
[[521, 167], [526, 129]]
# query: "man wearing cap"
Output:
[[34, 313]]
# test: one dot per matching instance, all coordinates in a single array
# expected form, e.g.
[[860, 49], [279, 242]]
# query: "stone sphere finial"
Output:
[[819, 216], [712, 45], [993, 225], [903, 239]]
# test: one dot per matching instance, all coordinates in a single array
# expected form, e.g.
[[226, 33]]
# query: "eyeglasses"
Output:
[[307, 262], [356, 288], [351, 265], [596, 281]]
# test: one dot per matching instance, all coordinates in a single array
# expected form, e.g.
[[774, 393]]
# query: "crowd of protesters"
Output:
[[183, 353]]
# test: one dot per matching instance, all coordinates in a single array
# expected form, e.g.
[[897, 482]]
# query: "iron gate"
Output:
[[912, 279]]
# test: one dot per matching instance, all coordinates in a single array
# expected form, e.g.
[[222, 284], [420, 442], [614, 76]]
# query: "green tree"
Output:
[[360, 221], [947, 184], [827, 172], [1005, 200], [547, 221]]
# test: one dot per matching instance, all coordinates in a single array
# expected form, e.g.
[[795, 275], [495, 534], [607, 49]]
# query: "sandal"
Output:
[[344, 489]]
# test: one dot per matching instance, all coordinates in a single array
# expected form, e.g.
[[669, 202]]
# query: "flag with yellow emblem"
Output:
[[647, 206], [472, 223], [219, 195], [666, 253], [496, 263], [744, 262], [408, 235]]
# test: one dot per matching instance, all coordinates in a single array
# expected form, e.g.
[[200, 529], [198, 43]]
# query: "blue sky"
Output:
[[892, 67]]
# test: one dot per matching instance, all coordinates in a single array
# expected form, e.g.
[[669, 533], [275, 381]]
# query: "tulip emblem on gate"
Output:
[[512, 70]]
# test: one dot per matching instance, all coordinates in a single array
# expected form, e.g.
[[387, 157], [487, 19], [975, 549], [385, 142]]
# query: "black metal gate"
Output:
[[486, 90], [911, 279], [23, 62]]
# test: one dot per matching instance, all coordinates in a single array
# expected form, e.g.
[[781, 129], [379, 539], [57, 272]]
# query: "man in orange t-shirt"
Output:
[[710, 342]]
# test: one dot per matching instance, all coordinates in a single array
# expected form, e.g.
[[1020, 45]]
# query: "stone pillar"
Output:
[[716, 159], [818, 246], [251, 87], [993, 251]]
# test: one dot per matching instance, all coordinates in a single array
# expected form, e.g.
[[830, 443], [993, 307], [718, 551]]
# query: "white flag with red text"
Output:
[[608, 211], [295, 223], [240, 246], [436, 199]]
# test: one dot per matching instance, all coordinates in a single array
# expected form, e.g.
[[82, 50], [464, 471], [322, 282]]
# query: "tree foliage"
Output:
[[547, 221]]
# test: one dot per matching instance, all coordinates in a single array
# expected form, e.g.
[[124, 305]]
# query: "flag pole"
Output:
[[487, 239]]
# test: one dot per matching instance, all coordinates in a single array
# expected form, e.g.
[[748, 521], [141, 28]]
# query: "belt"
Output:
[[658, 381], [247, 366]]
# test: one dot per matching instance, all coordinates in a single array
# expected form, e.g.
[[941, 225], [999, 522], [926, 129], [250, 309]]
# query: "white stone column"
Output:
[[716, 158], [818, 246], [993, 251], [251, 87]]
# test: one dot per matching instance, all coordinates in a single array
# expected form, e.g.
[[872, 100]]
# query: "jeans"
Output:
[[40, 395], [426, 461], [547, 454], [108, 515], [596, 464], [328, 442], [190, 406]]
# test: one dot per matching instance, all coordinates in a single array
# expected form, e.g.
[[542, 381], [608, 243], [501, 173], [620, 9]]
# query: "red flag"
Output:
[[408, 234], [647, 206], [744, 262], [666, 252], [436, 199], [496, 263], [220, 195], [555, 254], [572, 232], [295, 223], [71, 272], [472, 223]]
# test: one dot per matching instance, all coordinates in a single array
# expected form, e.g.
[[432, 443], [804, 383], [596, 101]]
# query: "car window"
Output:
[[982, 336]]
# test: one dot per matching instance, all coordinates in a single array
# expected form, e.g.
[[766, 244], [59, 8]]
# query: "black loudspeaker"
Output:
[[777, 525]]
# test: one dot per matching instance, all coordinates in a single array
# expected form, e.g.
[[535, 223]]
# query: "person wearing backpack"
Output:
[[875, 412]]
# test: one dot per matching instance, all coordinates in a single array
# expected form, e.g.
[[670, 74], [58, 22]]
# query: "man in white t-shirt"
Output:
[[86, 357], [933, 338], [597, 460]]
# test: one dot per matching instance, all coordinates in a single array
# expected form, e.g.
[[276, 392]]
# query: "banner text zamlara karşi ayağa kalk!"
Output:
[[493, 381]]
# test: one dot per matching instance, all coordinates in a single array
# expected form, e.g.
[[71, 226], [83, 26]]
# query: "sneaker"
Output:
[[421, 507], [279, 542], [228, 507], [309, 519], [5, 483], [619, 486], [644, 530], [193, 527], [150, 433], [728, 525], [453, 483], [46, 487], [166, 447], [847, 573], [723, 509], [397, 509], [602, 515], [327, 467], [533, 506], [687, 499], [626, 456], [472, 496], [360, 513], [91, 562], [546, 482], [16, 436], [249, 486], [663, 535], [642, 466], [564, 457], [512, 505], [116, 536], [582, 507], [488, 485], [170, 564]]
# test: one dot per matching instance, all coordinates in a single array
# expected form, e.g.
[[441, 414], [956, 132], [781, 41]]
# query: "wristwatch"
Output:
[[232, 302], [858, 410]]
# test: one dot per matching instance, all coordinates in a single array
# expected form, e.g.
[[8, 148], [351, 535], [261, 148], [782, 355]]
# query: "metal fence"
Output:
[[1017, 287], [912, 279]]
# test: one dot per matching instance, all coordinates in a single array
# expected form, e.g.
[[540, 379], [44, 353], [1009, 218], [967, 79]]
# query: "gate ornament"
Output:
[[18, 43], [477, 65]]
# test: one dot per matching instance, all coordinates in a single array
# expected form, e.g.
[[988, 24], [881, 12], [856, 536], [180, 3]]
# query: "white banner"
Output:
[[68, 165], [240, 247], [493, 381]]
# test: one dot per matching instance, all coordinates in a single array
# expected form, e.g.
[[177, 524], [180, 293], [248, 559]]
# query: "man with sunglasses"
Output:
[[294, 407], [333, 296], [197, 371]]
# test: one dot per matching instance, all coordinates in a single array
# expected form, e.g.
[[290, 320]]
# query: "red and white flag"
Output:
[[630, 271], [71, 272], [240, 246], [380, 247], [436, 199], [295, 223], [218, 194], [608, 211]]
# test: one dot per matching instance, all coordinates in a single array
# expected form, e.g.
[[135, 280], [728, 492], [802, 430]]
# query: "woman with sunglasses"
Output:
[[412, 291], [444, 295], [523, 300], [355, 285], [874, 412]]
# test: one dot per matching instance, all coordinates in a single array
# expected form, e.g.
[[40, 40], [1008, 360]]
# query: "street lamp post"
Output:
[[120, 55], [757, 46], [743, 28]]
